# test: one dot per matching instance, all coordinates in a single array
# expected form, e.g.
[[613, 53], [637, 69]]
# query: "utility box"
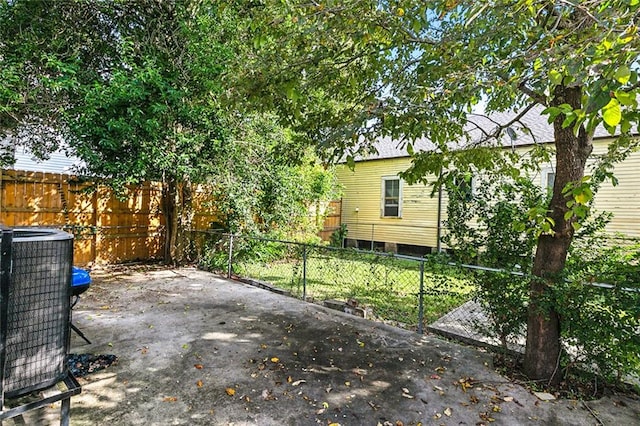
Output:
[[35, 308]]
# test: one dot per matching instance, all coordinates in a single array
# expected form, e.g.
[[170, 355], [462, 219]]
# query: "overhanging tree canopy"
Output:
[[354, 70], [133, 87]]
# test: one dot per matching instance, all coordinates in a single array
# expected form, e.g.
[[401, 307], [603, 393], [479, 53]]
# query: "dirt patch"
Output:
[[82, 364]]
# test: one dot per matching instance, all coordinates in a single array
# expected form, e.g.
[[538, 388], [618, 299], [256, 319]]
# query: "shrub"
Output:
[[600, 323]]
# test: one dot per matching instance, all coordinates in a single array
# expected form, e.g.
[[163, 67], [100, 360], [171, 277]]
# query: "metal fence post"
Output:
[[372, 227], [421, 299], [229, 263], [304, 272]]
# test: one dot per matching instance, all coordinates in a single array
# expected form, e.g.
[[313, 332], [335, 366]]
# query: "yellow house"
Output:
[[383, 212]]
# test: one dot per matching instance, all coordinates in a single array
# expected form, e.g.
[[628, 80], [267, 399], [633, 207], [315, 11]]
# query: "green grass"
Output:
[[388, 286]]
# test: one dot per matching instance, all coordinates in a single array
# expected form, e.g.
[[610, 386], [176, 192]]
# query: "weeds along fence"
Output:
[[402, 290]]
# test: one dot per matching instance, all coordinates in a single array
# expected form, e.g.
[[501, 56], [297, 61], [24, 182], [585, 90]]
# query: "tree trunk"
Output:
[[169, 210], [543, 326], [185, 221]]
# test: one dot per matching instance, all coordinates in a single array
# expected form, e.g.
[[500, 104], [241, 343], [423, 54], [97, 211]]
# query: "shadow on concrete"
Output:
[[194, 348]]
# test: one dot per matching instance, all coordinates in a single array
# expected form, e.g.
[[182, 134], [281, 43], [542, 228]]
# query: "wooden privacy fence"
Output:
[[106, 230], [332, 219]]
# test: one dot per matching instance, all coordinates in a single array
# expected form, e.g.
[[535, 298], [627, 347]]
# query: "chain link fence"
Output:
[[429, 294], [406, 291]]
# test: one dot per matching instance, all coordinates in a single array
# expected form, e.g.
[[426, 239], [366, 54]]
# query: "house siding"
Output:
[[361, 209], [622, 200]]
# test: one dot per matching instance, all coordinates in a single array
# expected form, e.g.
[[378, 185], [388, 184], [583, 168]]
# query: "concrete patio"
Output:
[[194, 348]]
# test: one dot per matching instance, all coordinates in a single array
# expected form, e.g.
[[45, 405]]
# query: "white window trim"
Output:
[[382, 196], [544, 177]]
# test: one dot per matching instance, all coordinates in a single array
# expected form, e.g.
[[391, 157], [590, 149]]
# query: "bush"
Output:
[[338, 236], [599, 304], [600, 323]]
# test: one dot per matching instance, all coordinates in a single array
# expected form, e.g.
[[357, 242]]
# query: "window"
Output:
[[548, 179], [464, 186], [391, 197]]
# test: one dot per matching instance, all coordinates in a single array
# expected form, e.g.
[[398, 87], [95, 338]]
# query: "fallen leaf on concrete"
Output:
[[199, 383], [275, 359], [486, 417], [230, 391], [544, 396], [267, 395], [406, 394], [465, 383], [170, 399], [198, 366]]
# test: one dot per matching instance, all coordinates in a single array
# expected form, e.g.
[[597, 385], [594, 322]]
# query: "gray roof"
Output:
[[531, 128], [58, 162]]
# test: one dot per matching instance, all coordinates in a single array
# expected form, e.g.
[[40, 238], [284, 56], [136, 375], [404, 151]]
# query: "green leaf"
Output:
[[625, 126], [598, 100], [537, 65], [553, 112], [555, 77], [569, 118], [625, 98], [410, 149], [622, 74], [611, 113], [293, 93], [582, 198], [351, 162]]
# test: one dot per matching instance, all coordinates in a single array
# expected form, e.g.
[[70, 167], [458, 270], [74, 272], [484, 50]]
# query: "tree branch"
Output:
[[533, 95]]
